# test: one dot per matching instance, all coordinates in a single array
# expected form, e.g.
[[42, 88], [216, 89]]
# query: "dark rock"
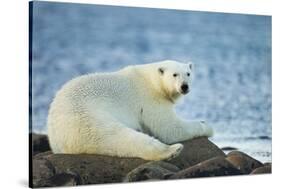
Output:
[[64, 179], [157, 170], [42, 170], [40, 143], [42, 154], [265, 137], [61, 179], [243, 162], [262, 170], [70, 169], [228, 148], [196, 151], [217, 166], [94, 169]]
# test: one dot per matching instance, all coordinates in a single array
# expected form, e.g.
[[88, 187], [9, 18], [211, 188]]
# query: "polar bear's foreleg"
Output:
[[115, 139], [171, 129], [198, 128], [182, 130]]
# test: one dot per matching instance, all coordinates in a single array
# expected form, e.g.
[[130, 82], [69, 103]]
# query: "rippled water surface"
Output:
[[231, 52]]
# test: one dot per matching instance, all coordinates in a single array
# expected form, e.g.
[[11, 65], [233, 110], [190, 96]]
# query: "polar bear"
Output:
[[127, 113]]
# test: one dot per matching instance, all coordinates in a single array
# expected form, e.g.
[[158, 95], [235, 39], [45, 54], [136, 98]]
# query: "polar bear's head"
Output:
[[175, 78]]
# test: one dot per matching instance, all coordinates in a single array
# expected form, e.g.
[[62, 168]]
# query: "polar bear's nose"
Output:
[[184, 88]]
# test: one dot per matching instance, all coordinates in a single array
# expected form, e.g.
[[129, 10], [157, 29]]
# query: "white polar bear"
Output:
[[128, 113]]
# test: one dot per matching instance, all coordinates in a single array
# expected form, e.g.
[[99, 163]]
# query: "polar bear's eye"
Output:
[[175, 75], [161, 71], [188, 74]]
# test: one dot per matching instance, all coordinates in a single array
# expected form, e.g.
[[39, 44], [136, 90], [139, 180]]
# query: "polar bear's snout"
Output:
[[184, 88]]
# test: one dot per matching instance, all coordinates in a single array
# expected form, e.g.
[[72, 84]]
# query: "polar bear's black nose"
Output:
[[184, 88]]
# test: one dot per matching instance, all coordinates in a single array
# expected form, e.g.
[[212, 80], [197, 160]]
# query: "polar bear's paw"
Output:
[[173, 151], [206, 130], [164, 152]]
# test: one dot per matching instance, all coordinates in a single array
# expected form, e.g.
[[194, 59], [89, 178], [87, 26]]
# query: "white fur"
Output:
[[128, 113]]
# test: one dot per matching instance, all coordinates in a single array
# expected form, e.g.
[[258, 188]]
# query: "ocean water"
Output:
[[231, 52]]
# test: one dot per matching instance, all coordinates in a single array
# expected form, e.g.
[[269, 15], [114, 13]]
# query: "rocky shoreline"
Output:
[[199, 158]]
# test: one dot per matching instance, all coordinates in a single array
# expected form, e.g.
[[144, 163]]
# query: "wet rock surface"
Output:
[[196, 151], [42, 171], [84, 168], [217, 166], [158, 170], [266, 169], [199, 158], [243, 162]]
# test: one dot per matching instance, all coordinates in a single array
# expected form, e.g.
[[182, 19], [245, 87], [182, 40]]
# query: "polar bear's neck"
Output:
[[149, 78]]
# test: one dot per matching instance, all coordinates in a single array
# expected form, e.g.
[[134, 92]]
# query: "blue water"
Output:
[[231, 52]]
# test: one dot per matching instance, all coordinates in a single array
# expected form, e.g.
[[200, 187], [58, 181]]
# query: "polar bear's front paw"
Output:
[[206, 130], [173, 151]]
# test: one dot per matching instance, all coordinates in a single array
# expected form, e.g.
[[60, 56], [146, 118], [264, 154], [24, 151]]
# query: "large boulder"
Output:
[[40, 143], [266, 169], [42, 170], [217, 166], [243, 162], [157, 170], [81, 168], [196, 151]]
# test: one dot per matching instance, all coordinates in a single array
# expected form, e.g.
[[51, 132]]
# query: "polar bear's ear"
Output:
[[190, 65], [161, 71]]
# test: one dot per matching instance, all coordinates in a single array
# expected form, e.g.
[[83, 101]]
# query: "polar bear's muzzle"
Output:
[[184, 88]]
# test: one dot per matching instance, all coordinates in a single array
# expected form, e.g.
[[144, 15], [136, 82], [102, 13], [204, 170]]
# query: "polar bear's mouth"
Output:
[[184, 93]]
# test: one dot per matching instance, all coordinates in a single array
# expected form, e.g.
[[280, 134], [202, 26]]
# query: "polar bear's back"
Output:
[[94, 86], [75, 104]]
